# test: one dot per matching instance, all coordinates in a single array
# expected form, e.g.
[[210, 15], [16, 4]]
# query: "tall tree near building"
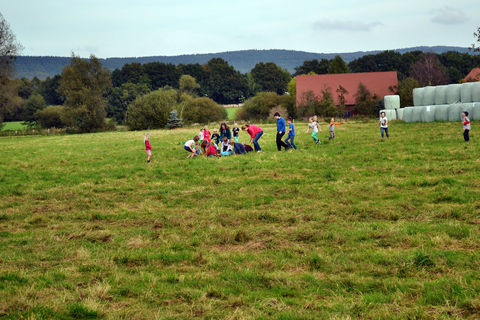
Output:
[[84, 83], [9, 49], [337, 65], [428, 70], [271, 77]]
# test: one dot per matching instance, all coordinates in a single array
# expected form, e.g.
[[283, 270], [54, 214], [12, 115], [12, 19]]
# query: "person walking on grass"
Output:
[[312, 125], [466, 126], [148, 146], [291, 134], [383, 123], [331, 128], [255, 134], [280, 131]]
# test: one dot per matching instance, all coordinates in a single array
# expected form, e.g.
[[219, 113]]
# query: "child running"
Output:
[[312, 125], [383, 122], [291, 134], [235, 131], [466, 126], [331, 128], [191, 146], [148, 147]]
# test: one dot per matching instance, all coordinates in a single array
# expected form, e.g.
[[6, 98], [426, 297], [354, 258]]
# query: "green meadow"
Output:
[[14, 125], [354, 228]]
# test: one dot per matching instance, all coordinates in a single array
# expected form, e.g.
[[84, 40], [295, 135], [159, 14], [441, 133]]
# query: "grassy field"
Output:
[[357, 228], [14, 125], [231, 113]]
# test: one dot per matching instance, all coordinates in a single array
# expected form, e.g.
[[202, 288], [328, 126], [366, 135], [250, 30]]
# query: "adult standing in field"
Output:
[[255, 134], [225, 132], [281, 128], [383, 122]]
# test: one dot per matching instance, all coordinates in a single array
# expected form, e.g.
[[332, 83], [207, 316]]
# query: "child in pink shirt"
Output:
[[148, 147], [255, 134]]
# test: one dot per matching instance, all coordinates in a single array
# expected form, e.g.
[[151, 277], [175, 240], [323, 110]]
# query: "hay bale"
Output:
[[428, 96], [475, 111], [389, 113], [418, 96], [428, 114], [408, 114], [441, 112], [455, 112], [392, 102], [468, 107], [440, 95], [453, 93], [466, 92], [399, 113], [475, 91], [417, 114]]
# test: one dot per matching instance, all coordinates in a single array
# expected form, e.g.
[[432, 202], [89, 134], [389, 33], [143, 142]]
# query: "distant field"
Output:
[[355, 229], [14, 125], [231, 113]]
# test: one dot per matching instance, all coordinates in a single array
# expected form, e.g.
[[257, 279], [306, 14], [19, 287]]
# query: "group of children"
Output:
[[220, 142]]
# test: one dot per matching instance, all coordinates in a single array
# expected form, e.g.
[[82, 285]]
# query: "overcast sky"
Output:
[[121, 28]]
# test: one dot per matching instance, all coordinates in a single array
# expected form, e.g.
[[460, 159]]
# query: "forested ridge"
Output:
[[243, 61]]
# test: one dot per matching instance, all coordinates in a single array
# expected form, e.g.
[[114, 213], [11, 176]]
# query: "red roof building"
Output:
[[473, 76], [378, 83]]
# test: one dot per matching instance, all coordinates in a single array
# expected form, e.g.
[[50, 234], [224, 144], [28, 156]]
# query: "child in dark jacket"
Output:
[[238, 148]]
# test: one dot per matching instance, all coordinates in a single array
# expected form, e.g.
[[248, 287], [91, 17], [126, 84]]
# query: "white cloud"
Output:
[[448, 15], [328, 24]]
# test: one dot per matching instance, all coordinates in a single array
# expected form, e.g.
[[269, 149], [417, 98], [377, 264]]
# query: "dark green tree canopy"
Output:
[[270, 77], [315, 66]]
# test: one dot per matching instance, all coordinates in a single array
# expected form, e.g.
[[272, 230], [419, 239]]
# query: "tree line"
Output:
[[86, 92]]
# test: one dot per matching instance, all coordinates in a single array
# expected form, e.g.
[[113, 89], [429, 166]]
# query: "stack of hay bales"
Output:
[[392, 104], [443, 103], [441, 112]]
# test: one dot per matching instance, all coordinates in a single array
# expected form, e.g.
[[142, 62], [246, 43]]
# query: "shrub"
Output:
[[314, 105], [152, 110], [283, 112], [52, 116], [259, 106], [241, 114], [32, 105], [203, 110]]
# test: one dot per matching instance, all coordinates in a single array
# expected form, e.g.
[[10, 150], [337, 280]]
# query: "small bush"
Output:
[[52, 117], [203, 110]]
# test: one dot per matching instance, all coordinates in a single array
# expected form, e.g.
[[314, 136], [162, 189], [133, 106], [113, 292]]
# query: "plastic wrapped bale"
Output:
[[399, 113], [408, 114], [389, 113], [468, 107], [440, 95], [428, 114], [441, 112], [455, 112], [475, 91], [418, 96], [453, 93], [475, 111], [466, 92], [428, 96], [392, 102], [417, 114]]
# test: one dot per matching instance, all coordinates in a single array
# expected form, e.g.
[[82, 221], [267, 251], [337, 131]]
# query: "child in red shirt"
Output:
[[148, 147], [206, 133], [212, 150]]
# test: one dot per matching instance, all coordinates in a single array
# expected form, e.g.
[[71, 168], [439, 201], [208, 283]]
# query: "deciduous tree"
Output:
[[84, 84], [428, 71], [271, 77]]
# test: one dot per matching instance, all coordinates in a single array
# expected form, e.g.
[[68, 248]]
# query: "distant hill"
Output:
[[244, 60]]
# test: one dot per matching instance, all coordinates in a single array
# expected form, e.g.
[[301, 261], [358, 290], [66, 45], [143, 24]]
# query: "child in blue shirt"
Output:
[[291, 134]]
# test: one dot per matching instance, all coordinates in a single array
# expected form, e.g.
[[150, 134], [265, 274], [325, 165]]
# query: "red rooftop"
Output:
[[376, 82]]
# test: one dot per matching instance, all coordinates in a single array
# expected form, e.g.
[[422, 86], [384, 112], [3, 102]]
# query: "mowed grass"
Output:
[[356, 228], [231, 113], [14, 125]]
